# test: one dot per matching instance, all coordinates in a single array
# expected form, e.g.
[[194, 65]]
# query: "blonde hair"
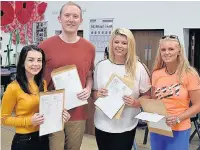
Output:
[[131, 58], [183, 63], [70, 3]]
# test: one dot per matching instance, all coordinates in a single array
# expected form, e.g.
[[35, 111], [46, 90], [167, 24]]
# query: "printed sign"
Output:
[[100, 31]]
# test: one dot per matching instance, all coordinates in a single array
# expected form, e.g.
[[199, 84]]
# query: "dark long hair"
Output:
[[21, 75]]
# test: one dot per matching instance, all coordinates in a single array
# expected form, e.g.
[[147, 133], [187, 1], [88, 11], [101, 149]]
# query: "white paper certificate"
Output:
[[70, 81], [51, 106], [111, 104], [149, 116]]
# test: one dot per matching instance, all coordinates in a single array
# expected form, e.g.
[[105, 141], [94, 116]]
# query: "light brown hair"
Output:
[[70, 3]]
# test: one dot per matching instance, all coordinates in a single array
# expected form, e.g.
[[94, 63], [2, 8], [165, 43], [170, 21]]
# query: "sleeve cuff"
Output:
[[28, 121]]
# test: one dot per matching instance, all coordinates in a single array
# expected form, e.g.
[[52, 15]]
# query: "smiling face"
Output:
[[33, 63], [120, 46], [169, 51], [70, 18]]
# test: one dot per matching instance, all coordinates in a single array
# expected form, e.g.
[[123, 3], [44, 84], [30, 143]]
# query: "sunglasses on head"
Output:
[[119, 31], [171, 37]]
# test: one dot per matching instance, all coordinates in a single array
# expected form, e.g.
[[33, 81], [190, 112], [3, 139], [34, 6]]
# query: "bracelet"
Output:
[[178, 120]]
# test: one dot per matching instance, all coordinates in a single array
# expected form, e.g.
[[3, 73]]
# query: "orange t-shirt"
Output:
[[174, 95]]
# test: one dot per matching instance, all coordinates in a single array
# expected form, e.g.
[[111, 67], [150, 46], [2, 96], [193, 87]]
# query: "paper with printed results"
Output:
[[69, 80], [112, 103], [51, 106]]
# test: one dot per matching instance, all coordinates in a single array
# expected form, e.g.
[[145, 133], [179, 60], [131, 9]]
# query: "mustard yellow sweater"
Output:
[[23, 105]]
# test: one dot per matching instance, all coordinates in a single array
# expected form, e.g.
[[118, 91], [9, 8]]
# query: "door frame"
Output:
[[192, 49]]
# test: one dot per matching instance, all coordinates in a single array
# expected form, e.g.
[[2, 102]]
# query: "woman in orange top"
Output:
[[176, 83], [22, 97]]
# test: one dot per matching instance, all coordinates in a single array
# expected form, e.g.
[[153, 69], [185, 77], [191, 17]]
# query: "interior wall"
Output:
[[171, 16]]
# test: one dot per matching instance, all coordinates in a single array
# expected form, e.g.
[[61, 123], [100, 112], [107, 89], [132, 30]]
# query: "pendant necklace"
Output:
[[170, 72]]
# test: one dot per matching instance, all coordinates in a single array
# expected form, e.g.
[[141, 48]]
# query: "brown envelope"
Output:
[[155, 106], [63, 69]]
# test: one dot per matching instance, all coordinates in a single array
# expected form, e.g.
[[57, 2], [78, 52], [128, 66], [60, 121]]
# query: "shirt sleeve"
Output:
[[9, 102], [95, 77], [193, 82], [145, 83], [93, 58]]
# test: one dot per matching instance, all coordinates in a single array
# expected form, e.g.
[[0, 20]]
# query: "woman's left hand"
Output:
[[130, 101], [66, 116], [171, 121]]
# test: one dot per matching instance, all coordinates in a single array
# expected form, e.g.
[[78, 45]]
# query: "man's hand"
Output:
[[66, 116], [84, 94]]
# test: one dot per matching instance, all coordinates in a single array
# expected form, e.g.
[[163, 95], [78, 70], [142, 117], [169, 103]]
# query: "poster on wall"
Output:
[[100, 31], [39, 32]]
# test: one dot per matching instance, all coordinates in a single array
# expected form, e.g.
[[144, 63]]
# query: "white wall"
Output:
[[174, 17]]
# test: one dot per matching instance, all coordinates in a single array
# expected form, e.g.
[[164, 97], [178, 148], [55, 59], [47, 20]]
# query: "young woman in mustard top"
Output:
[[22, 98]]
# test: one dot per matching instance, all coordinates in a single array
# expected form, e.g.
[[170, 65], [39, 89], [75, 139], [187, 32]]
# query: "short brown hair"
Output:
[[72, 4]]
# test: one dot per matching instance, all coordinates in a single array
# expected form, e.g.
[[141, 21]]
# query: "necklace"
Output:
[[170, 72]]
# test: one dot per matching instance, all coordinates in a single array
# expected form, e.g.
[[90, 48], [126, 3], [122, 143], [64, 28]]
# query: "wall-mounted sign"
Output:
[[100, 31], [39, 32]]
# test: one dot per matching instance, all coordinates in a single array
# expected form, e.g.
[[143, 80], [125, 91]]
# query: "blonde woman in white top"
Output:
[[119, 134]]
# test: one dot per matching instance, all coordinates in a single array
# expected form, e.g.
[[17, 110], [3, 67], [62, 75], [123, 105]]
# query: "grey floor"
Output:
[[89, 142]]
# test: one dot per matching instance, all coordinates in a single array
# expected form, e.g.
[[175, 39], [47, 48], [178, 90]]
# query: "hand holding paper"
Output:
[[84, 94], [112, 103], [67, 78], [37, 119], [171, 121], [102, 92], [157, 122], [130, 101], [66, 116]]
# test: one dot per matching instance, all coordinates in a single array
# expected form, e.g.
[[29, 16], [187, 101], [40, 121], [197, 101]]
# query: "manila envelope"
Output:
[[158, 107]]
